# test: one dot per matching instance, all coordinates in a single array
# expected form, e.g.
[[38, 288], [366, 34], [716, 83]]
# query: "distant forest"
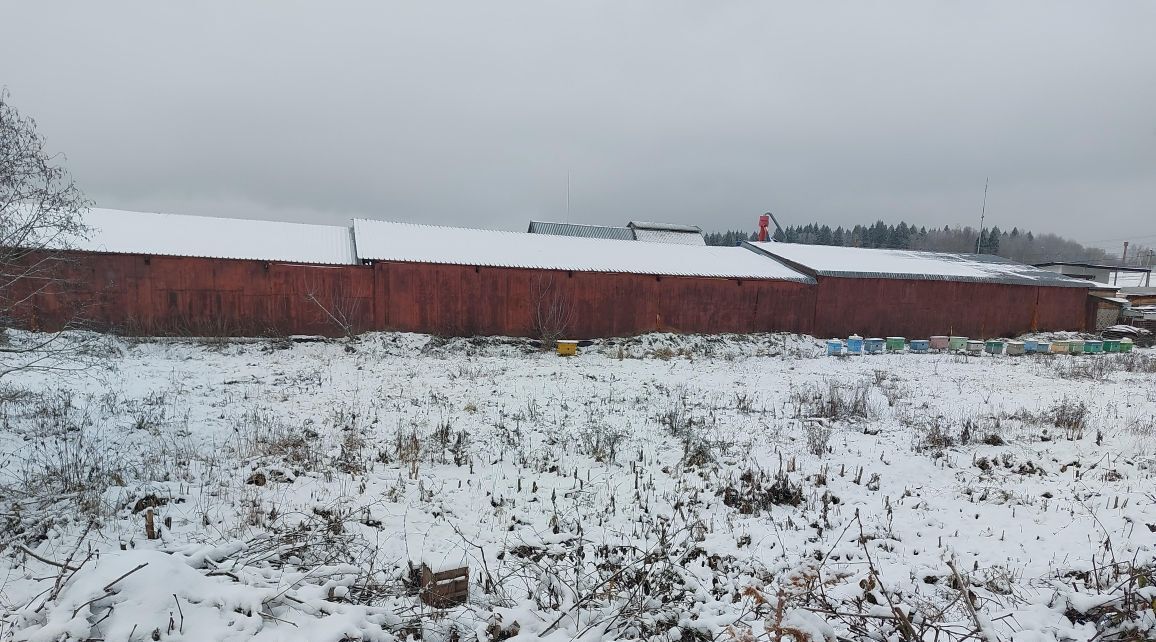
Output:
[[1018, 245]]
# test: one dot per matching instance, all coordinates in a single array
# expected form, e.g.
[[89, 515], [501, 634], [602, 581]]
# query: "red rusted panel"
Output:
[[137, 294], [181, 295], [913, 308], [461, 300]]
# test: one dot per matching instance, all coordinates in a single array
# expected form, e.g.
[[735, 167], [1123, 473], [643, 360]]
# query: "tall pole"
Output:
[[982, 213]]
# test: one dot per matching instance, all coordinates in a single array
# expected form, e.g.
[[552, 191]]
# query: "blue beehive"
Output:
[[834, 347], [874, 346], [854, 344], [920, 345]]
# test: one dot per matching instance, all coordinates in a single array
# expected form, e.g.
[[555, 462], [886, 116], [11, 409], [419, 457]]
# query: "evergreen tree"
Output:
[[823, 235]]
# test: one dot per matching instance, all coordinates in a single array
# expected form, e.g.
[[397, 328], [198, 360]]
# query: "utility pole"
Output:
[[982, 212]]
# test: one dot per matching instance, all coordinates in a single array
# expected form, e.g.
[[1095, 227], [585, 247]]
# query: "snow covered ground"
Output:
[[665, 487]]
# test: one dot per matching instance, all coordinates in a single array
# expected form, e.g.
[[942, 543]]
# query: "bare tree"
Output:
[[40, 213], [337, 304], [552, 311]]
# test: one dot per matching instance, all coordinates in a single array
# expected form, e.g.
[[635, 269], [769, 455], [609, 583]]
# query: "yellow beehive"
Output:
[[567, 348]]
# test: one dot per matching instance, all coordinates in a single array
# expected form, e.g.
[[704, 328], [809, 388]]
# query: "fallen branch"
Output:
[[27, 551]]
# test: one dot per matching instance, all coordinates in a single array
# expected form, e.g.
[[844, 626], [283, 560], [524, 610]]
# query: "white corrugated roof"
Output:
[[668, 236], [827, 260], [226, 238], [670, 227], [1130, 279], [387, 241]]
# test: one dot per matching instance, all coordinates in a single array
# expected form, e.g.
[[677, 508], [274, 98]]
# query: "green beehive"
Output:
[[956, 343], [1112, 345], [895, 344], [1125, 345], [1092, 346], [993, 346], [1076, 346]]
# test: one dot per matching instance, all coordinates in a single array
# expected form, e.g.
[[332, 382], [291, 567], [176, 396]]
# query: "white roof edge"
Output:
[[163, 234], [848, 262], [419, 243]]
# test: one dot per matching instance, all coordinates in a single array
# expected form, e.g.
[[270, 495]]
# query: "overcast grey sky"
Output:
[[474, 113]]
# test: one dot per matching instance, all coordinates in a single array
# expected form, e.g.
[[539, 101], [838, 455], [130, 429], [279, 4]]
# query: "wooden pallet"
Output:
[[445, 588]]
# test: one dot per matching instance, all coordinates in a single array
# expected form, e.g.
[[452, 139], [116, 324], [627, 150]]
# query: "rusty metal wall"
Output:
[[460, 300], [144, 295], [910, 308], [157, 295]]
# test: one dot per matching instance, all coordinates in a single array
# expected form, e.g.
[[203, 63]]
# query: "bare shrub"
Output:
[[1134, 362], [1115, 599], [262, 434], [818, 434], [551, 309], [936, 434], [836, 402], [66, 459], [601, 441], [1071, 417], [755, 491], [698, 448], [1090, 368], [337, 305], [744, 402]]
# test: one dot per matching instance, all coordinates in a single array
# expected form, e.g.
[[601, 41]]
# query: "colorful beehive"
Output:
[[956, 343], [567, 348], [1091, 346], [1015, 347], [834, 347], [1113, 345], [1043, 346], [1076, 346], [895, 344], [873, 345], [854, 344], [1059, 347], [920, 345], [975, 346], [1125, 345], [993, 346], [940, 342], [1030, 346]]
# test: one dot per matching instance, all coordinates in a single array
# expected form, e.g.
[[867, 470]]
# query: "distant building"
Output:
[[645, 231], [877, 292], [1116, 275], [581, 231]]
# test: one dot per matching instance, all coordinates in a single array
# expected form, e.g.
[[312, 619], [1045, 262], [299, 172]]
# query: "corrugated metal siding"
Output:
[[185, 295], [921, 308], [666, 236], [464, 301], [668, 227], [581, 231], [163, 295]]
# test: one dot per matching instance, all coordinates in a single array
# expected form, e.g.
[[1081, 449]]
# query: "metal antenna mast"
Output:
[[982, 213]]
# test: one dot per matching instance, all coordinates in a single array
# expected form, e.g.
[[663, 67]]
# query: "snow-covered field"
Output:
[[674, 488]]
